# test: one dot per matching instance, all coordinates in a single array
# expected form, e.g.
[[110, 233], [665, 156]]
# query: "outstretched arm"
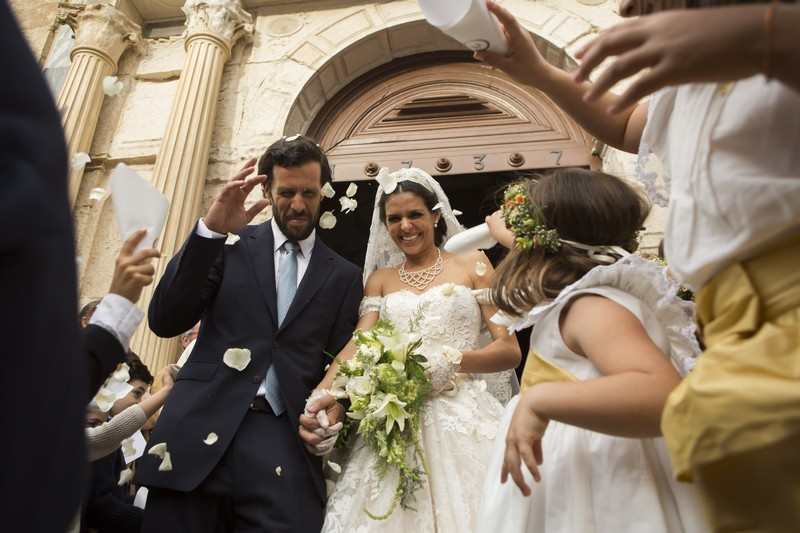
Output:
[[525, 64], [698, 45]]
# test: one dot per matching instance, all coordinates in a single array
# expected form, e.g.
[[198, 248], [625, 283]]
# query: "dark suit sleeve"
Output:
[[188, 286], [104, 354], [347, 317]]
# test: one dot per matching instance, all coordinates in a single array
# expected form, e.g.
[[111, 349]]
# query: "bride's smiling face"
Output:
[[410, 222]]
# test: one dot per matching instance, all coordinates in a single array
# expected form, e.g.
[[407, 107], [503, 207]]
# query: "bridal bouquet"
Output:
[[387, 387]]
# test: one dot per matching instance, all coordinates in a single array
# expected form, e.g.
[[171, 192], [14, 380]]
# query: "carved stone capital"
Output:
[[100, 28], [224, 20]]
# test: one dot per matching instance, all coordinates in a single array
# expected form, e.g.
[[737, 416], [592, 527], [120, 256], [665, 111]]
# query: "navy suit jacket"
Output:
[[232, 288]]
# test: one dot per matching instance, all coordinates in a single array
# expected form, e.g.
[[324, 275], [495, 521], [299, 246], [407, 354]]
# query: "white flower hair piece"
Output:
[[237, 358], [386, 181], [351, 190], [327, 191], [327, 220], [348, 204], [112, 86]]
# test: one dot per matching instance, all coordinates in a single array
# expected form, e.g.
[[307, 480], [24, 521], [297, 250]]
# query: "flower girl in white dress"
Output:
[[445, 296], [611, 340]]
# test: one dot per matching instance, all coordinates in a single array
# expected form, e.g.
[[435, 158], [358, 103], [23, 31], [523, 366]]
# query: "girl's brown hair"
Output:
[[584, 206]]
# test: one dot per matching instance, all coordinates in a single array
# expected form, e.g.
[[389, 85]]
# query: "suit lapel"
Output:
[[319, 268], [261, 244]]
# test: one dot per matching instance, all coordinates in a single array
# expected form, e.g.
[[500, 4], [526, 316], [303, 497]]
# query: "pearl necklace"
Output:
[[420, 279]]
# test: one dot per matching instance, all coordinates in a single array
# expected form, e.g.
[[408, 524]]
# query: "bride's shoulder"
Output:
[[377, 280]]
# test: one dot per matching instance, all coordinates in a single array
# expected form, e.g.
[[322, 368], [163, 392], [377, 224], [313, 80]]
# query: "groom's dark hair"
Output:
[[429, 199], [292, 151]]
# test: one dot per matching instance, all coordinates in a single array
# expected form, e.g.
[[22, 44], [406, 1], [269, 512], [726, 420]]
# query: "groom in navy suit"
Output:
[[272, 303]]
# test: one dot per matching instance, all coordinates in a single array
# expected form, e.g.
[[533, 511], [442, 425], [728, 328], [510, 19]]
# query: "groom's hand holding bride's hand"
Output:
[[321, 422]]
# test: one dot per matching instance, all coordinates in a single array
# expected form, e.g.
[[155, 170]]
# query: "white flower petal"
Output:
[[211, 439], [293, 137], [268, 212], [232, 239], [327, 220], [112, 86], [386, 181], [158, 449], [437, 206], [122, 373], [98, 194], [237, 358], [348, 204], [456, 212], [480, 268], [125, 476], [79, 160], [127, 446], [351, 190], [166, 463], [335, 467], [327, 191], [278, 470]]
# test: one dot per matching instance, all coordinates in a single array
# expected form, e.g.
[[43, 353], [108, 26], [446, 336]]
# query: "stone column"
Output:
[[212, 28], [102, 33]]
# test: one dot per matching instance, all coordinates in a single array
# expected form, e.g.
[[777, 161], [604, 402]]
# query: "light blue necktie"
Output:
[[287, 287]]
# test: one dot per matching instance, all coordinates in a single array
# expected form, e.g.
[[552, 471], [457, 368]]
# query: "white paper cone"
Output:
[[467, 21]]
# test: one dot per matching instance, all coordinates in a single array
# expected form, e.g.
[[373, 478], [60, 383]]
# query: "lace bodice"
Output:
[[446, 314]]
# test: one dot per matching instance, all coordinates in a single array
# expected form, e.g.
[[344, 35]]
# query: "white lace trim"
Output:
[[370, 304], [649, 283], [649, 170]]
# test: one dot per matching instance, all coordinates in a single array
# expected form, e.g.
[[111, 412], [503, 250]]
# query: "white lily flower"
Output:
[[278, 470], [480, 268], [335, 467], [79, 160], [327, 220], [98, 194], [452, 354], [125, 476], [392, 409], [457, 213], [386, 181], [158, 449], [211, 439], [327, 191], [348, 204], [268, 212], [112, 86], [398, 344], [166, 463], [351, 190], [437, 206], [232, 239], [237, 358]]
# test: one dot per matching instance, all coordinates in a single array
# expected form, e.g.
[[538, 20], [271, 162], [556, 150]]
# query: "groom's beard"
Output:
[[294, 233]]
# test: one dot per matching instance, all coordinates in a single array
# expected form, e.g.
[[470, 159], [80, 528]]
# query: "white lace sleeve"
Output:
[[370, 304]]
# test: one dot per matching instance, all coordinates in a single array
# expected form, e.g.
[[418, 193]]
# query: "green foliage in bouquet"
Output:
[[387, 387]]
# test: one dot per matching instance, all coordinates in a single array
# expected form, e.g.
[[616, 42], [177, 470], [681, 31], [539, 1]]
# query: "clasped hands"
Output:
[[316, 430]]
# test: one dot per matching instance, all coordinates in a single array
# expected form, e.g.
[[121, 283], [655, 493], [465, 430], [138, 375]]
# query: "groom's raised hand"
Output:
[[321, 422], [227, 213]]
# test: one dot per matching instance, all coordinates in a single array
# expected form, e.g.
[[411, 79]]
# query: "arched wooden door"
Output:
[[466, 124]]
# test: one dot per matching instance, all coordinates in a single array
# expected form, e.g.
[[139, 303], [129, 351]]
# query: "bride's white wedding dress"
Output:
[[456, 432]]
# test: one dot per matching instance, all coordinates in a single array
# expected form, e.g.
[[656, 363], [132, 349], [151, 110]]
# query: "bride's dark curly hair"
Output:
[[585, 206]]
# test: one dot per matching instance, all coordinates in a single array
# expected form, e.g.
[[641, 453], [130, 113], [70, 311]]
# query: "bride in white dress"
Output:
[[460, 420]]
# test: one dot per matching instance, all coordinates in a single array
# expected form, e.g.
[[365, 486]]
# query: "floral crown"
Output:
[[526, 223]]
